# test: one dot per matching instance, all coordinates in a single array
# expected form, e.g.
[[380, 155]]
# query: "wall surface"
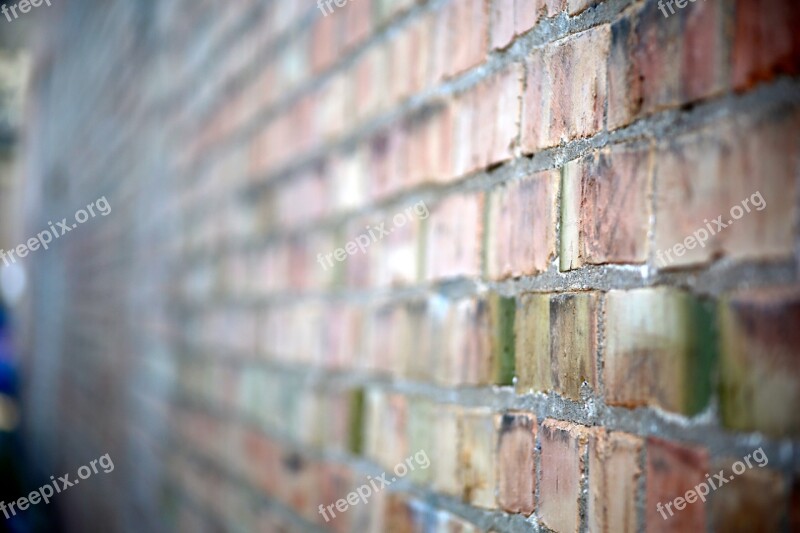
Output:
[[548, 248]]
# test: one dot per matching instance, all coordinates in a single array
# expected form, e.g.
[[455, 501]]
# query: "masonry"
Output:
[[523, 334]]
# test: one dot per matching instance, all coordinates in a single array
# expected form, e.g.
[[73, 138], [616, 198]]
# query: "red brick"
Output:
[[614, 474], [521, 236], [357, 23], [754, 501], [454, 236], [760, 366], [766, 41], [672, 470], [605, 210], [566, 90], [657, 63], [516, 469], [563, 447], [324, 48]]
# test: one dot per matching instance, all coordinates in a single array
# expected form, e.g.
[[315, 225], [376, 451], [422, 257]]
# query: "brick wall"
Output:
[[529, 160]]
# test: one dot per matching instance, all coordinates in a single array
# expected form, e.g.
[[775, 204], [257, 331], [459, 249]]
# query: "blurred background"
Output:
[[203, 326]]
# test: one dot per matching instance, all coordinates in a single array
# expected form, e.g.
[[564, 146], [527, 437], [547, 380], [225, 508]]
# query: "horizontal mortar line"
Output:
[[644, 422], [650, 129], [546, 31], [706, 280]]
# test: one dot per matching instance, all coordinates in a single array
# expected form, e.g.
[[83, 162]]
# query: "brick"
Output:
[[614, 474], [422, 434], [386, 428], [657, 63], [502, 22], [521, 237], [446, 455], [566, 90], [465, 355], [557, 343], [468, 34], [563, 446], [760, 367], [454, 233], [672, 470], [741, 159], [660, 349], [476, 459], [516, 467], [753, 501], [766, 43], [605, 209]]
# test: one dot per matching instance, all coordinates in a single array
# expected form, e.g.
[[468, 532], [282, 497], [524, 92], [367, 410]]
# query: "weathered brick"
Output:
[[521, 236], [660, 349], [760, 361], [657, 63], [672, 470], [563, 446], [454, 233], [566, 90], [422, 434], [476, 459], [766, 42], [605, 209], [556, 343], [753, 501], [614, 474], [516, 468], [749, 166]]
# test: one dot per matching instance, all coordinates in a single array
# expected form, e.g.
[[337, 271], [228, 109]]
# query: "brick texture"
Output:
[[465, 231]]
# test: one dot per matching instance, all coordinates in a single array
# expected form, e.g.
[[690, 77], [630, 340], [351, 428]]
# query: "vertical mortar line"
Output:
[[583, 505], [641, 490], [600, 393], [537, 461]]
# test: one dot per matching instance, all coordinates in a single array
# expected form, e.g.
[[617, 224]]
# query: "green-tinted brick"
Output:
[[660, 349], [760, 363]]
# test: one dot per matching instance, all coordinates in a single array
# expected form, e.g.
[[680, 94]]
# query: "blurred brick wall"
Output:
[[521, 332]]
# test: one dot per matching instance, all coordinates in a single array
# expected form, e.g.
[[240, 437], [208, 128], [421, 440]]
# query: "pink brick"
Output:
[[566, 90], [516, 468], [454, 237], [738, 159], [502, 22], [521, 226], [468, 35], [563, 446], [672, 470], [614, 474]]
